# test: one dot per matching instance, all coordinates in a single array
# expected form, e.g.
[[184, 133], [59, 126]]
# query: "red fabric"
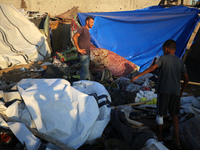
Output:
[[104, 59]]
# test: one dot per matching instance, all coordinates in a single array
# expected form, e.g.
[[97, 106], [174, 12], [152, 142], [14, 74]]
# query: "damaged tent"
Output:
[[20, 42], [138, 35]]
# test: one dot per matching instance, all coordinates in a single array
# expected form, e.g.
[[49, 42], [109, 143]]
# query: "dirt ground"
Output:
[[14, 74]]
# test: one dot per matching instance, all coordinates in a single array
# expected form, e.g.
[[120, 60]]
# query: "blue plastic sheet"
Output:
[[138, 35]]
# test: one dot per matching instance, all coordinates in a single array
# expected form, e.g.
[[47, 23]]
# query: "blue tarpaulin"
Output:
[[138, 35]]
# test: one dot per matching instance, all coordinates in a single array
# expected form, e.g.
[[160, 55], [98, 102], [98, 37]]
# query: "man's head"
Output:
[[89, 22], [169, 47]]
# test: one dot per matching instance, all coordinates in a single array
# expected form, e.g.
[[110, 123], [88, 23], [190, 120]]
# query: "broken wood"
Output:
[[41, 135], [133, 104]]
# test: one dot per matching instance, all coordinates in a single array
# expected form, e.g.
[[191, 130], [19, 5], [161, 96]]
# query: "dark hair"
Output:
[[88, 18], [171, 44]]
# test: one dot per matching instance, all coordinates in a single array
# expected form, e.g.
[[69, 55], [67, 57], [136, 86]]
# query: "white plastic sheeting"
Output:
[[24, 135], [12, 111], [3, 123], [20, 40], [63, 112], [92, 88]]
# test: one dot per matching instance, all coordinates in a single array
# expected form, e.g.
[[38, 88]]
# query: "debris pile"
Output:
[[44, 105]]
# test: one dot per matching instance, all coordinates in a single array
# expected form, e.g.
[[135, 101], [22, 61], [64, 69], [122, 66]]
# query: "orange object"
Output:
[[5, 138]]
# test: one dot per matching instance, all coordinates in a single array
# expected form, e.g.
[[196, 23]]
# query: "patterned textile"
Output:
[[104, 59]]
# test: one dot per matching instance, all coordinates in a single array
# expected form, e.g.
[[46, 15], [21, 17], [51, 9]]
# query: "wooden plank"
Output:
[[133, 104], [193, 36], [41, 135]]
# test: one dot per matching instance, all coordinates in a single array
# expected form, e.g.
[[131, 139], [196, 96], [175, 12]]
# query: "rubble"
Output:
[[43, 105]]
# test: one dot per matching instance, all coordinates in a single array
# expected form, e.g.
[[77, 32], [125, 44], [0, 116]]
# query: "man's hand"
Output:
[[134, 78], [82, 51]]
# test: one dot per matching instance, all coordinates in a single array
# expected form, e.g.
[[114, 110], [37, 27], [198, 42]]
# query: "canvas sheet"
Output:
[[20, 40]]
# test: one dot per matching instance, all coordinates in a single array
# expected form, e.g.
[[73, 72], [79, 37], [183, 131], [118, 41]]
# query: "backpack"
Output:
[[67, 55]]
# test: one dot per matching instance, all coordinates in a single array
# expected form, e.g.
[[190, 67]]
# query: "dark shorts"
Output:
[[168, 103]]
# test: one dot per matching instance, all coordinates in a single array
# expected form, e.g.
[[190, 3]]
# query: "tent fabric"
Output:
[[138, 35], [65, 113], [68, 15], [20, 40]]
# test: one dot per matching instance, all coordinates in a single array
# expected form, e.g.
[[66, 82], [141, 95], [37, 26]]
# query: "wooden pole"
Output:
[[133, 104], [192, 83], [190, 41]]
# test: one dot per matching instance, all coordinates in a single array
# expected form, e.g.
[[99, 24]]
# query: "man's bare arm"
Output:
[[75, 38]]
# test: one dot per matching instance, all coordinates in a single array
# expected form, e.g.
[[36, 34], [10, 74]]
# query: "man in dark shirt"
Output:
[[169, 92], [82, 43]]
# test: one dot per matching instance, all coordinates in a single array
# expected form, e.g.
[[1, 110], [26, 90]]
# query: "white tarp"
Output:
[[24, 135], [91, 88], [20, 40], [63, 112]]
